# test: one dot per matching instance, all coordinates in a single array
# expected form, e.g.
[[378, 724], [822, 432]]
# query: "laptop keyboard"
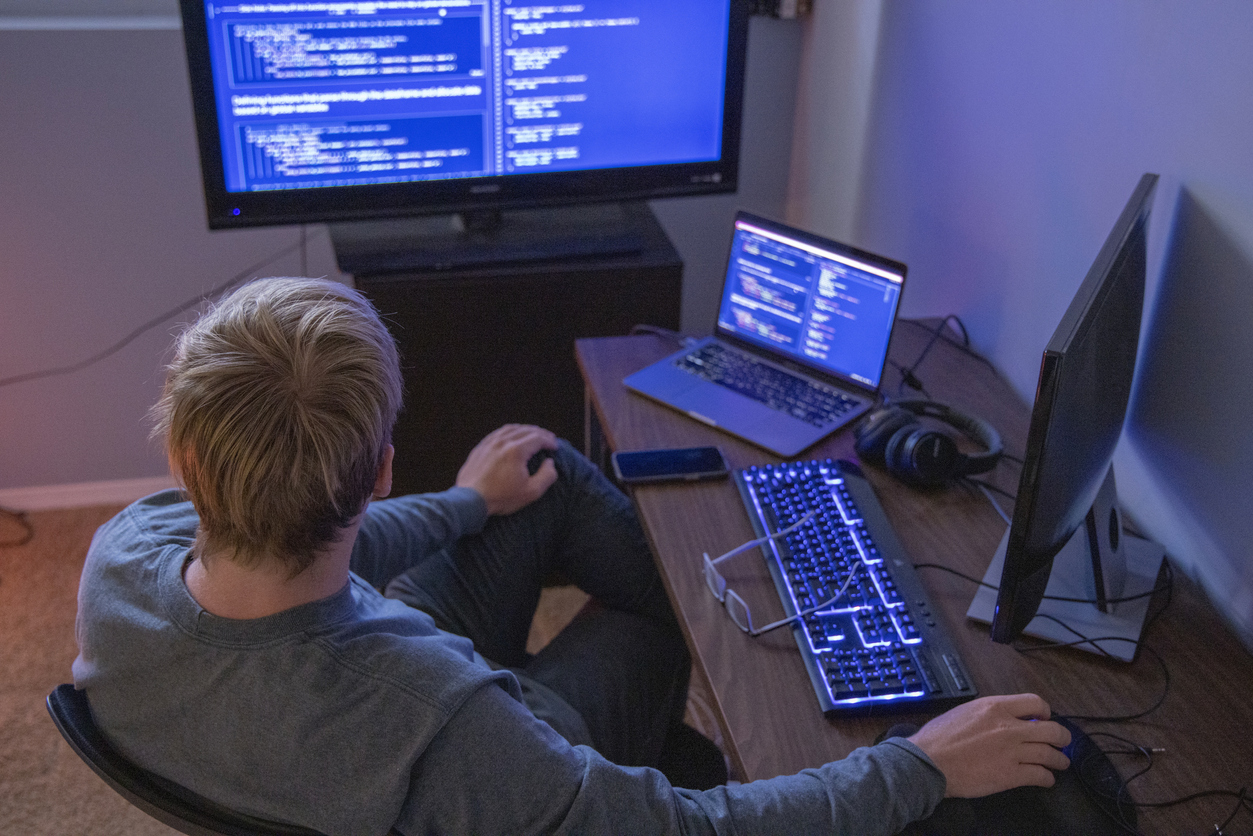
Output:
[[804, 399]]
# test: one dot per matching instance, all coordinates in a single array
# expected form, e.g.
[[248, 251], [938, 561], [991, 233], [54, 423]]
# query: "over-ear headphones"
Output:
[[893, 437]]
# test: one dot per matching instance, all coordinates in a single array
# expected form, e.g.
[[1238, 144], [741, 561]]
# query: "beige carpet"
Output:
[[45, 790]]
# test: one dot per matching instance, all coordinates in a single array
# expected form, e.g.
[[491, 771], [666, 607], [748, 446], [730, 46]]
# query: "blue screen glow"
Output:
[[344, 93]]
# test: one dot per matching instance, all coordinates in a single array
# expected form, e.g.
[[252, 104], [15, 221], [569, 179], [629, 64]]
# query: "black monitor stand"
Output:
[[1099, 563], [490, 237]]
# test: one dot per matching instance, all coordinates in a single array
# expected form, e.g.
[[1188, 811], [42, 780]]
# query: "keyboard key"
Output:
[[807, 400]]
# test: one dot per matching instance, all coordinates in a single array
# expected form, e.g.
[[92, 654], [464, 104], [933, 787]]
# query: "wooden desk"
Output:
[[760, 691]]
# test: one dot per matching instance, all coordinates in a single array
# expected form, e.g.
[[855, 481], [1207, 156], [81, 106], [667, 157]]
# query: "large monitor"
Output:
[[1065, 569], [342, 110]]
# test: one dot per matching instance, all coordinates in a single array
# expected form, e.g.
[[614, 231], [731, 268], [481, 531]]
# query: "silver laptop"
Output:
[[800, 345]]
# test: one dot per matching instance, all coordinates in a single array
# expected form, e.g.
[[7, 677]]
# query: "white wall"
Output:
[[833, 110], [701, 227], [102, 227], [102, 224], [1003, 139]]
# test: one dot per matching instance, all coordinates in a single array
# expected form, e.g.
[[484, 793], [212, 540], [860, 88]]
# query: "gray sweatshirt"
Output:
[[355, 714]]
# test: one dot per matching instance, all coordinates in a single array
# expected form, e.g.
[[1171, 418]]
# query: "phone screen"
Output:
[[681, 463]]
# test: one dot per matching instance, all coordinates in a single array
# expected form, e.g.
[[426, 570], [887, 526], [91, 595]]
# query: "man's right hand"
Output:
[[993, 744], [496, 467]]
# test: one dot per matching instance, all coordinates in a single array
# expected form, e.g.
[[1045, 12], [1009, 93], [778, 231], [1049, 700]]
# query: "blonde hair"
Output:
[[276, 414]]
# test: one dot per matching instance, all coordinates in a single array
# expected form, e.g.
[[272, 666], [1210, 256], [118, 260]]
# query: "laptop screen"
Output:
[[825, 305]]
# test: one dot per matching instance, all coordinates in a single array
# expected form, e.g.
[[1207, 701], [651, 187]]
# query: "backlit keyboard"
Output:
[[877, 645], [807, 400]]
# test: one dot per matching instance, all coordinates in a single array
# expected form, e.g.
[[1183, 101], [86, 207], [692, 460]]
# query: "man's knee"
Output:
[[570, 460]]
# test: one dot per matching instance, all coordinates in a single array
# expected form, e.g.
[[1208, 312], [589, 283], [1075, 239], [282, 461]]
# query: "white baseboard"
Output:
[[53, 23], [82, 494]]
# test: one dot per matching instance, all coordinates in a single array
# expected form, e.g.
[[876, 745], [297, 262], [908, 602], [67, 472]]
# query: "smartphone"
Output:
[[685, 463]]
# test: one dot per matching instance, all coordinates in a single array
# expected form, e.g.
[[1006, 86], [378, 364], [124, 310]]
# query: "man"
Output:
[[238, 644]]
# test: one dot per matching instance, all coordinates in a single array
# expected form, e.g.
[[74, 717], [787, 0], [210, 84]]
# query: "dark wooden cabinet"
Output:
[[483, 346]]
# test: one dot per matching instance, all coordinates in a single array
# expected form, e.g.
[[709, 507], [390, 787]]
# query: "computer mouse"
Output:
[[1079, 804], [533, 463]]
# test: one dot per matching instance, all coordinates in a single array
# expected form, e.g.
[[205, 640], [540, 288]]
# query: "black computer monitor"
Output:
[[1065, 540], [351, 110]]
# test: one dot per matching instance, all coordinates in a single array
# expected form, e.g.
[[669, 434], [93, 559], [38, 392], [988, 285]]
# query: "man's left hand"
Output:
[[496, 467]]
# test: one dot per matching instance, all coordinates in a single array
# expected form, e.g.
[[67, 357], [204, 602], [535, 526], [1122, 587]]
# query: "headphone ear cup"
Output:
[[981, 432], [921, 457], [872, 434]]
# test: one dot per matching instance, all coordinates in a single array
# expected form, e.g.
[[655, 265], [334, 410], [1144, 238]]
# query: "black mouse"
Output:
[[1080, 803], [533, 463]]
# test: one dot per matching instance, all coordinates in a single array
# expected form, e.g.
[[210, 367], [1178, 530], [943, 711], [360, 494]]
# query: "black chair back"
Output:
[[173, 805]]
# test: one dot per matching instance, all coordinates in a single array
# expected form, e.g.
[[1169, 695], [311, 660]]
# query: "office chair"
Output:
[[164, 800]]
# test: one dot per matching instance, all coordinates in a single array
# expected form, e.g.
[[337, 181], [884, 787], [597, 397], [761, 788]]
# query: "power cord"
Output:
[[1167, 586], [939, 334], [1092, 642], [302, 244], [909, 375], [155, 321], [664, 333], [21, 519], [1122, 797]]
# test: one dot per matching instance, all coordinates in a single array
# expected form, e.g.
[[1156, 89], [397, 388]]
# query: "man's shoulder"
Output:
[[160, 518], [128, 559]]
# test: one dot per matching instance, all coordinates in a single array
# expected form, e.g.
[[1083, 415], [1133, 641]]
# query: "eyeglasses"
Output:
[[735, 605]]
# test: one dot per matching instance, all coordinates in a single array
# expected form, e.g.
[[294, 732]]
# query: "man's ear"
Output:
[[383, 484]]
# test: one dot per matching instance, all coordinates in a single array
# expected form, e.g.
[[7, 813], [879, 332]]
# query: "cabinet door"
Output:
[[483, 349]]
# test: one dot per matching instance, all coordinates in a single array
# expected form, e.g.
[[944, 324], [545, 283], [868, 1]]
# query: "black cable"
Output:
[[1149, 621], [150, 324], [1140, 644], [1082, 640], [908, 378], [959, 574], [972, 480], [1240, 802], [1241, 796], [1243, 802], [1123, 796], [22, 520], [1035, 648], [1164, 587], [938, 334], [664, 333], [909, 375]]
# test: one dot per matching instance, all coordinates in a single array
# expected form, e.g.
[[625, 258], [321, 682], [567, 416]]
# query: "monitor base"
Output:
[[452, 242], [1115, 633]]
